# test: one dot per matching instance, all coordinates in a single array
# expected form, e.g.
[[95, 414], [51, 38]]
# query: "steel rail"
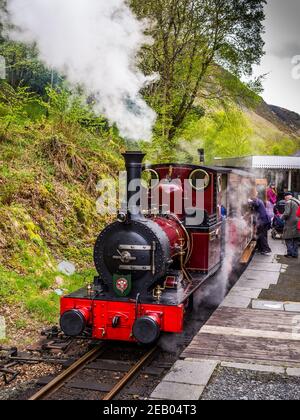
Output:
[[67, 374], [120, 385]]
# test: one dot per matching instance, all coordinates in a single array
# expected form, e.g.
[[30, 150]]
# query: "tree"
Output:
[[23, 67], [222, 133], [194, 40], [2, 13]]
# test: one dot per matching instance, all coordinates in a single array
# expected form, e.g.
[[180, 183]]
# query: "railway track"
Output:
[[84, 362]]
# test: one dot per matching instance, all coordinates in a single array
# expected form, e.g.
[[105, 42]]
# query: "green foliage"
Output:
[[221, 133], [25, 69], [230, 132], [68, 106], [192, 39], [17, 106], [282, 146], [53, 151], [35, 293]]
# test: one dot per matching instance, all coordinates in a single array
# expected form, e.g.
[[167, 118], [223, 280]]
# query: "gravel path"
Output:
[[233, 384]]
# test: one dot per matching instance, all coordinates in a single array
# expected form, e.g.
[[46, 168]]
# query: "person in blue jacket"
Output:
[[263, 224]]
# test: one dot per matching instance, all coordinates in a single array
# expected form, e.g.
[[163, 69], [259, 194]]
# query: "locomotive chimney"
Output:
[[201, 155], [133, 162]]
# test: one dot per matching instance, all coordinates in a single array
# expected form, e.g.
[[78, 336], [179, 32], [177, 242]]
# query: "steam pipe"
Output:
[[201, 155], [133, 162]]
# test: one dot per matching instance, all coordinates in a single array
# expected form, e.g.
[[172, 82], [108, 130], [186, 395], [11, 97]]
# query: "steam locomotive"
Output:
[[154, 257]]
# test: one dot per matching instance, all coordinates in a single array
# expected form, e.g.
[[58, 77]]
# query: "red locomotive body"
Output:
[[100, 316], [151, 261]]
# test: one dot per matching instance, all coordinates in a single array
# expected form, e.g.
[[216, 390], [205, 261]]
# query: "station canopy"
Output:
[[261, 162]]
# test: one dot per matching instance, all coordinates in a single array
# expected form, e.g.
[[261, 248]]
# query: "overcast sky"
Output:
[[282, 84]]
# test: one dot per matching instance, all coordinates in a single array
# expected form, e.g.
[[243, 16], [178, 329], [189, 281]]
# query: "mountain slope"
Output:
[[240, 127], [285, 120]]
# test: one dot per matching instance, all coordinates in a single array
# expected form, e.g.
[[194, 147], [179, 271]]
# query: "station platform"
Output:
[[255, 329]]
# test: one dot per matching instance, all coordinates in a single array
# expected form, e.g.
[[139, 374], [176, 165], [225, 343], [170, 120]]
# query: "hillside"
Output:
[[285, 120], [275, 130], [49, 169], [238, 128], [290, 119]]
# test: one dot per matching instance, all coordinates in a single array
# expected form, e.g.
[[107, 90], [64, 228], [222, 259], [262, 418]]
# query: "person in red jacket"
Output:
[[272, 198], [298, 215]]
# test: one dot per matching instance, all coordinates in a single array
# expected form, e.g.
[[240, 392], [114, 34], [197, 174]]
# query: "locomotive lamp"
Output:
[[157, 292], [90, 290]]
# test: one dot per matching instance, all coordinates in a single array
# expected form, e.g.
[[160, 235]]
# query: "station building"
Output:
[[284, 171]]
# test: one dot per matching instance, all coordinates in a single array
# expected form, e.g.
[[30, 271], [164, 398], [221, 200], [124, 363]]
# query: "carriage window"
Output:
[[199, 175], [150, 178]]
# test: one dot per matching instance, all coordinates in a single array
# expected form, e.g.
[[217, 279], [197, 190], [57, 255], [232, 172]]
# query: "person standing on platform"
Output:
[[291, 234], [263, 224], [272, 198]]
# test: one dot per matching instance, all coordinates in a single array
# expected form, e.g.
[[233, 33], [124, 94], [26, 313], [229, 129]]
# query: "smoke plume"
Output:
[[94, 44]]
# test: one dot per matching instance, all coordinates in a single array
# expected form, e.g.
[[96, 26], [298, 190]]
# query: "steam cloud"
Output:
[[94, 44]]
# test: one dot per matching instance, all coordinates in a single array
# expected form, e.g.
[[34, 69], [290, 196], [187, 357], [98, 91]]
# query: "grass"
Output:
[[48, 175], [35, 293]]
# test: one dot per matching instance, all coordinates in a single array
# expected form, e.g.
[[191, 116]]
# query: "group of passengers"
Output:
[[290, 219]]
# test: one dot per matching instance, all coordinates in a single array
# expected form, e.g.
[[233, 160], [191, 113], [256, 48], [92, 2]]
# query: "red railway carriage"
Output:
[[162, 247]]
